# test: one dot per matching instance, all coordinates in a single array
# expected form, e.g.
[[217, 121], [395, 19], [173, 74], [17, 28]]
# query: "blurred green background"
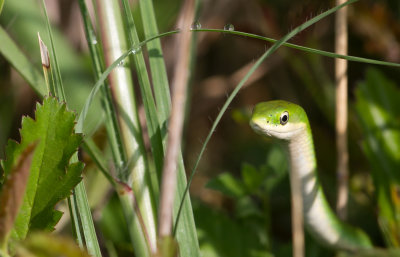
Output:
[[241, 191]]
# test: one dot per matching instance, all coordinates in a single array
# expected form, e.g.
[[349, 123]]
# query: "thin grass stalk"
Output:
[[136, 172], [79, 193], [341, 38], [56, 71], [175, 127]]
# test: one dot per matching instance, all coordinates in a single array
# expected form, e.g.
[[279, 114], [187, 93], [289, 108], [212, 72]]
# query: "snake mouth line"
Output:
[[263, 131]]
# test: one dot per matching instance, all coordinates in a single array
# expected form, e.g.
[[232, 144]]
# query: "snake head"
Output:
[[279, 119]]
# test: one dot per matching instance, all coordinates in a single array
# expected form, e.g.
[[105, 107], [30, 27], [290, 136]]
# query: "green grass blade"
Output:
[[89, 232], [111, 121], [153, 126], [74, 220], [20, 62], [156, 61], [55, 68], [305, 49], [273, 48]]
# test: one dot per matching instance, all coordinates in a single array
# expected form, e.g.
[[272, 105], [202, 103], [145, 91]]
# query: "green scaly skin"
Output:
[[289, 122]]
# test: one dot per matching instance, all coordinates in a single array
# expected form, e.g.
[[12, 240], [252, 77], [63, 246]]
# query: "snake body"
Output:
[[289, 122]]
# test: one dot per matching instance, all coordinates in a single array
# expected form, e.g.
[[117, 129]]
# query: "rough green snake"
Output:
[[289, 122]]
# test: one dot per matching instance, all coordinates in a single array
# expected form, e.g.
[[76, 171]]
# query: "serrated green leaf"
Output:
[[51, 176]]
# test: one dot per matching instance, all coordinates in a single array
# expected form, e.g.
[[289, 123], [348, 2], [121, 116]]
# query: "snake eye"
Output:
[[284, 118]]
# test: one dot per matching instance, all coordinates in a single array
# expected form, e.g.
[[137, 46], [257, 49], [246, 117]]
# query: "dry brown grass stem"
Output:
[[297, 215], [181, 75], [341, 45]]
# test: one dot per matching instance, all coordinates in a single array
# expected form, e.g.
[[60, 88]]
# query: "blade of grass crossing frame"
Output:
[[79, 195], [305, 49], [273, 48], [153, 126], [111, 122]]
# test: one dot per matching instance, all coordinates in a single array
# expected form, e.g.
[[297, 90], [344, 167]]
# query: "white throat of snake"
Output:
[[303, 166]]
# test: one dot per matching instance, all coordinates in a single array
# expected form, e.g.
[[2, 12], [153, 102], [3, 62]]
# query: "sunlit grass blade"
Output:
[[271, 50], [152, 123], [111, 121], [20, 62]]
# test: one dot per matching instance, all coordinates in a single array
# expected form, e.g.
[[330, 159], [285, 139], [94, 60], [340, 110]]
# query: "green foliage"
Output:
[[254, 181], [51, 176], [378, 108], [250, 223], [221, 235]]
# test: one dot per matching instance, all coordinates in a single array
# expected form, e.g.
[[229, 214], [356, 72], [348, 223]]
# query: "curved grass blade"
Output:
[[273, 48], [104, 75], [305, 49]]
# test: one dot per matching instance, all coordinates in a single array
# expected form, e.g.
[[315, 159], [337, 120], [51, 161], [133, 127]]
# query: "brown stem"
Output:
[[297, 215], [341, 110]]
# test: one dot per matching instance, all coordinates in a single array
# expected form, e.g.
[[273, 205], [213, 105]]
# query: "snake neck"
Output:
[[302, 155], [319, 218]]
